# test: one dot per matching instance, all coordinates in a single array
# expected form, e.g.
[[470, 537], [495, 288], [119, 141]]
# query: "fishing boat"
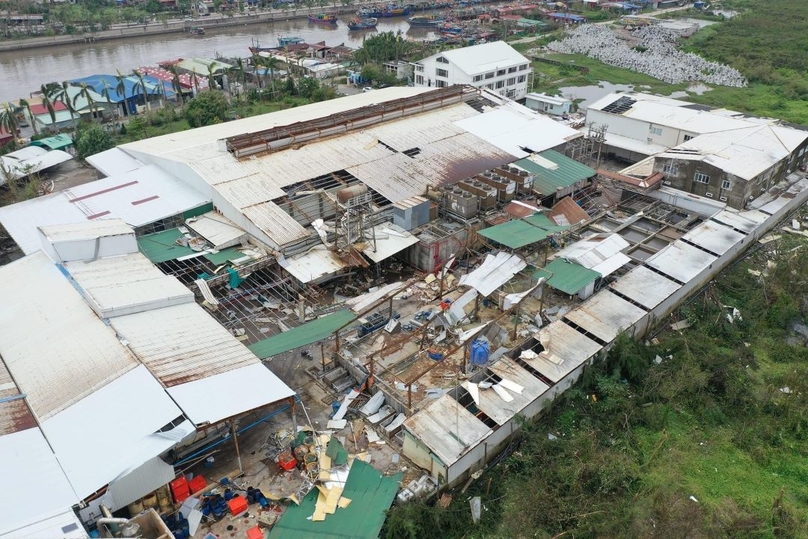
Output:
[[323, 18], [289, 40], [425, 20], [362, 24], [384, 12], [196, 31]]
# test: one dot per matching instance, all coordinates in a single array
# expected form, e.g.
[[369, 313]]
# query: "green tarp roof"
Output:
[[371, 495], [224, 256], [304, 334], [565, 276], [56, 142], [521, 232], [566, 172], [162, 246]]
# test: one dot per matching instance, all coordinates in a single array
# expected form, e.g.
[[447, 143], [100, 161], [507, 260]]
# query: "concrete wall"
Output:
[[427, 76]]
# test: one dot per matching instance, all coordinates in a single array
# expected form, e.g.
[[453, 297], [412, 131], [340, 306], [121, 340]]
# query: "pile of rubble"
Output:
[[656, 55]]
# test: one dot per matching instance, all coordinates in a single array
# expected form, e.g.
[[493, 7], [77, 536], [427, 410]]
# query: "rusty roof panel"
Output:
[[14, 413], [278, 225], [182, 343]]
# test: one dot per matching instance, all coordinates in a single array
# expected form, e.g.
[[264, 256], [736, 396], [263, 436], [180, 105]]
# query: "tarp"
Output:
[[304, 334], [371, 495]]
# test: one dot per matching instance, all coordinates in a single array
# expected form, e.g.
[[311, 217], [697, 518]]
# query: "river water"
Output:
[[23, 72]]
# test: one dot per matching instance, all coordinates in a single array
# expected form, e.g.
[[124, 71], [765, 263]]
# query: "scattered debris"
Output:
[[680, 325]]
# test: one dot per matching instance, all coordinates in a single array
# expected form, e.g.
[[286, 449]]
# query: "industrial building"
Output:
[[495, 66], [714, 153], [452, 267]]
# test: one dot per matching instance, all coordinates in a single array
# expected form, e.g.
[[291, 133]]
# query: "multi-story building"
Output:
[[495, 66]]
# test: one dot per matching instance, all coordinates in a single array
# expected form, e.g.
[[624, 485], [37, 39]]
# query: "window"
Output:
[[671, 169], [512, 69], [500, 72], [688, 137], [656, 131], [419, 67], [511, 81], [419, 79], [441, 73], [521, 78], [726, 184], [500, 84], [523, 67], [489, 86], [489, 75], [441, 84], [442, 60], [478, 78], [701, 178], [511, 93]]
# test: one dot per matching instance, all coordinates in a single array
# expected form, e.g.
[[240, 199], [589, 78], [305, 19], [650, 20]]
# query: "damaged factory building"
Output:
[[286, 323]]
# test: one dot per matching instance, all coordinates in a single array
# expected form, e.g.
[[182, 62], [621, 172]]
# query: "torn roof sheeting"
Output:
[[389, 240], [447, 428], [494, 272], [567, 277], [220, 231], [605, 316], [564, 350], [532, 388], [314, 264]]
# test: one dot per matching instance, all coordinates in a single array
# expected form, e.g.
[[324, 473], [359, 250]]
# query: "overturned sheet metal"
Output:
[[389, 240], [493, 273], [315, 264]]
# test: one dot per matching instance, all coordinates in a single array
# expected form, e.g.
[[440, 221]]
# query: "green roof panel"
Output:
[[162, 246], [224, 256], [371, 495], [542, 221], [565, 172], [56, 142], [304, 334], [514, 234], [566, 276]]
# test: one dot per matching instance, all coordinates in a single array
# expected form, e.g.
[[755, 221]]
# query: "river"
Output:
[[23, 72]]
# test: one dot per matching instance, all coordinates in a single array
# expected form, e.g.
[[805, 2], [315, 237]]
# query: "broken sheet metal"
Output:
[[315, 264], [494, 272], [390, 239], [360, 303]]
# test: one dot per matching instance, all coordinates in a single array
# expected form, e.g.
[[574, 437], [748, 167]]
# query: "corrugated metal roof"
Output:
[[182, 343], [163, 246], [55, 345], [85, 230], [313, 264], [517, 130], [744, 221], [569, 210], [605, 315], [390, 239], [447, 428], [497, 409], [126, 415], [681, 261], [146, 478], [564, 350], [278, 225], [481, 58], [302, 335], [14, 413], [515, 234], [494, 272], [568, 277], [553, 171], [714, 237], [19, 165], [220, 231], [30, 470], [113, 161], [596, 250], [611, 264], [127, 284], [257, 387], [646, 287]]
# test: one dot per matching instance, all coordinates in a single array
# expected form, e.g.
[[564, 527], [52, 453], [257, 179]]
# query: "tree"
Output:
[[175, 83], [84, 91], [120, 89], [141, 88], [93, 140], [27, 106], [207, 108], [307, 86], [8, 121]]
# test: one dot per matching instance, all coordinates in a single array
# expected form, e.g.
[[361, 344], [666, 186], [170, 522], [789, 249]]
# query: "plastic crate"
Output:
[[237, 505], [180, 490], [197, 483]]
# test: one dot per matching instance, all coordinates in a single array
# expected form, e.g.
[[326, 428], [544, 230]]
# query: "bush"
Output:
[[209, 107], [92, 140]]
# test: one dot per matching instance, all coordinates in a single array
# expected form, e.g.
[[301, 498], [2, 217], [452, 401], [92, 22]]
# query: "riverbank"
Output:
[[174, 26]]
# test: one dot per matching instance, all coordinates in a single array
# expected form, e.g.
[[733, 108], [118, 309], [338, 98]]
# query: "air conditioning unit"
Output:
[[723, 199], [709, 195]]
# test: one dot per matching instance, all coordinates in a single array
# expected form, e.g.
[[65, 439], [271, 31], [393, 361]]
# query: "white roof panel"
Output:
[[220, 231], [485, 57], [494, 272], [35, 488], [390, 239], [278, 225], [497, 409], [605, 315], [22, 219], [680, 261], [182, 343], [611, 264], [56, 347], [313, 264], [714, 237], [126, 415], [633, 145], [65, 525], [447, 428], [564, 350], [257, 387], [746, 221], [646, 287], [127, 284], [86, 230], [512, 127], [594, 250], [113, 161]]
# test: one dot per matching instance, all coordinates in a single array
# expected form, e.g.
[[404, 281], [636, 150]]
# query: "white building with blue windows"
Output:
[[495, 66]]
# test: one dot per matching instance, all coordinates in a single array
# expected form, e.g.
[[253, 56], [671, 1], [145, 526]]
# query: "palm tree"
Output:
[[84, 91], [47, 102], [240, 74], [140, 88], [211, 69], [272, 64], [24, 104], [8, 122], [120, 89], [195, 80], [175, 82]]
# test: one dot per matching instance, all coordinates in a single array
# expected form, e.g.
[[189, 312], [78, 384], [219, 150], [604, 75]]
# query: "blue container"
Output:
[[228, 494], [479, 352]]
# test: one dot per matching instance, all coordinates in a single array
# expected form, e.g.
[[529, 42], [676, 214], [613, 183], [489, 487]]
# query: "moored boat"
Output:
[[363, 24], [384, 12], [323, 18], [425, 20], [289, 40]]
